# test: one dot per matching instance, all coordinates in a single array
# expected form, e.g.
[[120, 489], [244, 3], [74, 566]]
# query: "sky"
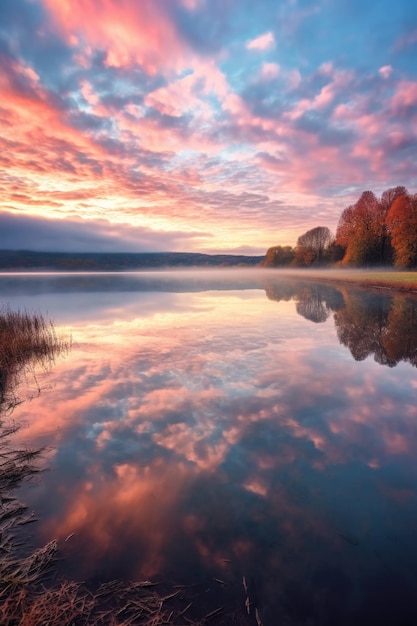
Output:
[[199, 125]]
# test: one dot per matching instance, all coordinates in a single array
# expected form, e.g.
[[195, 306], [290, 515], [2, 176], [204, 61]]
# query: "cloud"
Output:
[[190, 93], [146, 113], [263, 42], [269, 71], [22, 232], [131, 33], [385, 71]]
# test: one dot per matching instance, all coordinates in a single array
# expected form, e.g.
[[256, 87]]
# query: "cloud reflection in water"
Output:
[[220, 433]]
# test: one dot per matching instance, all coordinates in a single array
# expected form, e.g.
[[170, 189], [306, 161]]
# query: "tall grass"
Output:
[[27, 341]]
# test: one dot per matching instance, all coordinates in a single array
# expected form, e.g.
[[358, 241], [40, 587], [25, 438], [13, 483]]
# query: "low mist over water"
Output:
[[221, 425]]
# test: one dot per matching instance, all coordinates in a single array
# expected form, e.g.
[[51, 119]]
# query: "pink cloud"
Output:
[[145, 169], [263, 42], [269, 71], [385, 71], [191, 5], [131, 32], [57, 165], [88, 93], [189, 93], [404, 97], [340, 81]]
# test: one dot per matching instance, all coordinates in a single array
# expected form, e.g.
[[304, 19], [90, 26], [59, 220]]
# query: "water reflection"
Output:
[[382, 325], [221, 434], [385, 327]]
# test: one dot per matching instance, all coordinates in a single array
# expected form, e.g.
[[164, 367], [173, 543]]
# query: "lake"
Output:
[[232, 429]]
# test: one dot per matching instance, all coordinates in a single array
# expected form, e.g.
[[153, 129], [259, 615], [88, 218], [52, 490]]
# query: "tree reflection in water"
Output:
[[378, 324]]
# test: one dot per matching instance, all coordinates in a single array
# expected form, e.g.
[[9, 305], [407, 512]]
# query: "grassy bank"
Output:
[[382, 279]]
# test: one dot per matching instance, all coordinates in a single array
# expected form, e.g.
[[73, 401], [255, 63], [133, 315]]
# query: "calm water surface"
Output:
[[227, 426]]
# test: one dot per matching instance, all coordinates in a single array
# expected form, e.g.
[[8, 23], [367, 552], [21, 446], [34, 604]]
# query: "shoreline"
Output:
[[402, 281]]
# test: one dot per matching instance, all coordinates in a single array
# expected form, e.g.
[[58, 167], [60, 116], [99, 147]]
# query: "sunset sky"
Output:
[[199, 125]]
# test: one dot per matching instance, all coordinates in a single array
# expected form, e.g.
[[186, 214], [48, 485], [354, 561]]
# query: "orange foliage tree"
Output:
[[402, 224], [370, 232], [387, 199], [278, 256], [361, 231]]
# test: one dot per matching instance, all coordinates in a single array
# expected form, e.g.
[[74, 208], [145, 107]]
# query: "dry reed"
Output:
[[27, 341]]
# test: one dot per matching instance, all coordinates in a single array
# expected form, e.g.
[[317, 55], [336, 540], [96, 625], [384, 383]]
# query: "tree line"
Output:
[[373, 231]]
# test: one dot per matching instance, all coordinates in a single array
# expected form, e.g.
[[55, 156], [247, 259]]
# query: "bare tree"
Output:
[[312, 245]]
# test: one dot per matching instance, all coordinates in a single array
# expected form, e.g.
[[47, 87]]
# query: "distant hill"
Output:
[[26, 260]]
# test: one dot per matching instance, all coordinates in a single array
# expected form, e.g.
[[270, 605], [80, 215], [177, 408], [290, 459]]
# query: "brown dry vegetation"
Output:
[[27, 342]]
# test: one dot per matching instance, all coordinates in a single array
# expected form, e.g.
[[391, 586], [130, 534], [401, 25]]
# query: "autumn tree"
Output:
[[333, 253], [387, 199], [402, 224], [311, 246], [372, 231], [389, 196], [361, 231], [279, 256]]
